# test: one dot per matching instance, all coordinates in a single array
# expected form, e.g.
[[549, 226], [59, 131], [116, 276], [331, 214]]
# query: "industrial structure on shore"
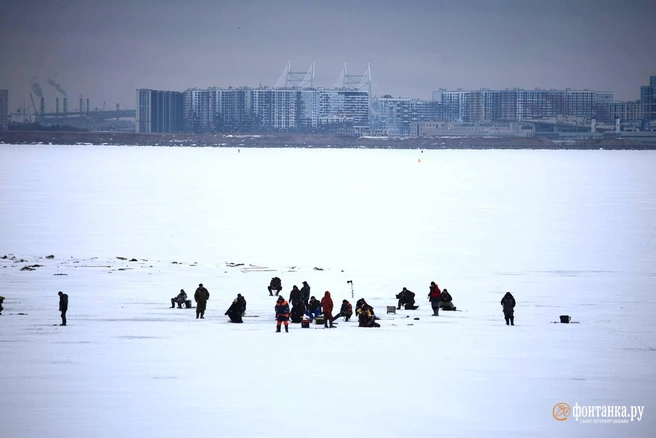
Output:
[[4, 112]]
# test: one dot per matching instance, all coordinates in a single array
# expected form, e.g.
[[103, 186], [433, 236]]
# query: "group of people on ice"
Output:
[[305, 307]]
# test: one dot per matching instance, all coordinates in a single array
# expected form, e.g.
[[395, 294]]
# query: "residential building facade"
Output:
[[159, 111]]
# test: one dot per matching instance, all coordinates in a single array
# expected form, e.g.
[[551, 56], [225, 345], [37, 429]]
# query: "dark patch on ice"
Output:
[[59, 274], [50, 256], [122, 258]]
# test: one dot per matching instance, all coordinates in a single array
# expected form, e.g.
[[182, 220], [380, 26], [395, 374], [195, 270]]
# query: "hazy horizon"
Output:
[[104, 51]]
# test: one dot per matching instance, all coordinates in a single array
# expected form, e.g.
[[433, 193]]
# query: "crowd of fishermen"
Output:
[[305, 308]]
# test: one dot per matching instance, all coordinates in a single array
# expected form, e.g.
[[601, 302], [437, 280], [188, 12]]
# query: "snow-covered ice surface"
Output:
[[567, 232]]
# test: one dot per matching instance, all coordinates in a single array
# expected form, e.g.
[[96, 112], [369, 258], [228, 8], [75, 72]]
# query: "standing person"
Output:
[[63, 306], [295, 296], [201, 296], [508, 303], [282, 314], [305, 293], [434, 298], [327, 305]]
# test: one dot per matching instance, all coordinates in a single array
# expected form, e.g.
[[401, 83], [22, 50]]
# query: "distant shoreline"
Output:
[[309, 141]]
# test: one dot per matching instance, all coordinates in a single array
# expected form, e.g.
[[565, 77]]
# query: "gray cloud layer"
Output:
[[104, 50]]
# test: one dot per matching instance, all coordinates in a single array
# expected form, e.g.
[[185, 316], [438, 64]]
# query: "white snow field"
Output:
[[567, 232]]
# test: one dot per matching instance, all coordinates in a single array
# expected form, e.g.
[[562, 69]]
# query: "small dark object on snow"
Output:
[[318, 269], [60, 274], [4, 257], [122, 258], [565, 319], [50, 256], [27, 268], [416, 319], [133, 260]]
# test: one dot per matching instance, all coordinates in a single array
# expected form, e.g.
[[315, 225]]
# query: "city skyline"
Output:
[[106, 51]]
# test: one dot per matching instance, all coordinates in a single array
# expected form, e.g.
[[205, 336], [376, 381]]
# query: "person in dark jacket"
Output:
[[434, 298], [2, 299], [275, 284], [242, 304], [305, 293], [446, 300], [314, 308], [180, 299], [202, 296], [508, 303], [295, 295], [282, 314], [327, 306], [407, 299], [298, 310], [346, 311], [366, 317], [234, 311], [63, 306]]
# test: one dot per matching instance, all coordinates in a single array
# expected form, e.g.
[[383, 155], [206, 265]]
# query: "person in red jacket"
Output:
[[327, 305], [434, 298], [282, 314]]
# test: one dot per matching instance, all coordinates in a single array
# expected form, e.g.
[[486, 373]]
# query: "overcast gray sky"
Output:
[[104, 50]]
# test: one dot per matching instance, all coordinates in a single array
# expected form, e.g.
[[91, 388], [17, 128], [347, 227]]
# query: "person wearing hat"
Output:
[[346, 311], [180, 299], [63, 306], [282, 314], [327, 306], [242, 304], [508, 303], [234, 311], [434, 298], [201, 296]]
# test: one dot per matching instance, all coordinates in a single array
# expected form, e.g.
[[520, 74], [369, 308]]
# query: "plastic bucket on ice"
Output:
[[565, 319]]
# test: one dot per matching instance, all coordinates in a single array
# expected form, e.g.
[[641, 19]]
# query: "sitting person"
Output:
[[366, 317], [314, 308], [242, 304], [446, 301], [298, 310], [346, 311], [234, 311], [275, 284], [406, 298], [180, 299], [358, 304]]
